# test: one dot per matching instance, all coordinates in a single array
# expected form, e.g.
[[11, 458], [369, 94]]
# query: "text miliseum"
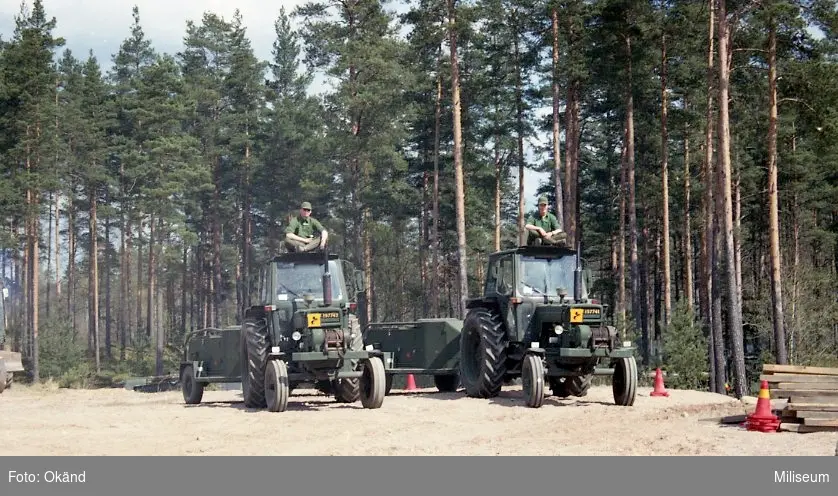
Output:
[[792, 476]]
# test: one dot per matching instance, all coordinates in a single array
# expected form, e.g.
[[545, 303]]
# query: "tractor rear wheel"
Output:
[[483, 349], [532, 380], [447, 383], [254, 339], [624, 382], [373, 383], [193, 390], [276, 386]]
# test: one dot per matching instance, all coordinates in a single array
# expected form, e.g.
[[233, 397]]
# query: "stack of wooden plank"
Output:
[[812, 394]]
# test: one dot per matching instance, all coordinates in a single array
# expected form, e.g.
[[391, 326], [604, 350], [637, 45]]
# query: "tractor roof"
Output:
[[539, 251], [303, 257]]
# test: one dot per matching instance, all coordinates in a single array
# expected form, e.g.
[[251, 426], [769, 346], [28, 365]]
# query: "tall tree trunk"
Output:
[[140, 275], [557, 158], [707, 287], [773, 207], [667, 274], [458, 162], [519, 125], [108, 352], [498, 185], [688, 244], [423, 251], [621, 267], [636, 297], [435, 215], [71, 255], [734, 308], [49, 256], [247, 232], [93, 278], [183, 288], [158, 332], [216, 244], [57, 251]]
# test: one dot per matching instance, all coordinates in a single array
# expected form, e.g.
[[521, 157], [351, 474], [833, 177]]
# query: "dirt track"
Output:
[[48, 421]]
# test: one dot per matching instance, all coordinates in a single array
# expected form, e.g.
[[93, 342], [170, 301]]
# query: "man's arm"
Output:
[[554, 226], [324, 234], [532, 227]]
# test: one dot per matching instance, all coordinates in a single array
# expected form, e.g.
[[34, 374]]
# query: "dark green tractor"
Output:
[[525, 325], [302, 331]]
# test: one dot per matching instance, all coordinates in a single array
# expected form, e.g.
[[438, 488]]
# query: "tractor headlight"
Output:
[[558, 329], [296, 336]]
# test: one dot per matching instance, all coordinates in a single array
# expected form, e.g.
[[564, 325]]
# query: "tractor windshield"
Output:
[[294, 280], [540, 276]]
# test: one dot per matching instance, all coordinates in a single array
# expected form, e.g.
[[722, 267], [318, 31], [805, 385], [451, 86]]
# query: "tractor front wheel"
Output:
[[193, 390], [624, 382], [276, 386], [373, 383], [532, 380], [483, 349]]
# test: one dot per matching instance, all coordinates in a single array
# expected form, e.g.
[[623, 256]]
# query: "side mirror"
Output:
[[359, 281]]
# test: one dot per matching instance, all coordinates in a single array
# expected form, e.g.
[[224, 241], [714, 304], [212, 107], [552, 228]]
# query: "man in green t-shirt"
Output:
[[543, 228], [300, 233]]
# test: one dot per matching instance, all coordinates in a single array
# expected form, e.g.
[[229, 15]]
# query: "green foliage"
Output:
[[684, 350]]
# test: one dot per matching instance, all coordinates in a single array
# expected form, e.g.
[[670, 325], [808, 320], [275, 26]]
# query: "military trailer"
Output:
[[302, 331], [10, 361], [422, 347], [525, 325]]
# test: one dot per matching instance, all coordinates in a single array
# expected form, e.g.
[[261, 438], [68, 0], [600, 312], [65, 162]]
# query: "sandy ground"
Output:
[[49, 421]]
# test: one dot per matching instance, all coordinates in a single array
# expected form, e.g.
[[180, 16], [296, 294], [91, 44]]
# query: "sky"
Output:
[[102, 25]]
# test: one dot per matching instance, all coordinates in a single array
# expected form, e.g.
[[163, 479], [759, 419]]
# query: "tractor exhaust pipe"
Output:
[[327, 281], [577, 274]]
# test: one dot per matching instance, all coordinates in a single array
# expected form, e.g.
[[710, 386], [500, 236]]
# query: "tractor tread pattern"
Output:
[[256, 342], [492, 353]]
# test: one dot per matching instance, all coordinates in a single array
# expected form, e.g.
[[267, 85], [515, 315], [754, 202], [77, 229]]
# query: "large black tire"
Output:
[[373, 383], [276, 386], [483, 353], [193, 390], [349, 390], [624, 382], [447, 383], [254, 357], [532, 380], [579, 385], [3, 378]]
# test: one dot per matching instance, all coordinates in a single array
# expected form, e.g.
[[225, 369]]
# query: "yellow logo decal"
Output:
[[576, 315], [314, 320]]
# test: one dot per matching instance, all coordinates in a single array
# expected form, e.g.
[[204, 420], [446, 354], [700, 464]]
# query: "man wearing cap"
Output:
[[299, 235], [543, 227]]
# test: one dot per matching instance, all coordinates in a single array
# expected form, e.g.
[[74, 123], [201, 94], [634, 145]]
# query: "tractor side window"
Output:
[[506, 281]]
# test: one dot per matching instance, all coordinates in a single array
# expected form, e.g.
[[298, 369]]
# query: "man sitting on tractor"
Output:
[[544, 229], [299, 235]]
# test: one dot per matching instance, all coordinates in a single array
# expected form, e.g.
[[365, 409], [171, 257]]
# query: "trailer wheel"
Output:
[[276, 386], [193, 390], [624, 382], [254, 338], [447, 383], [3, 378], [373, 383], [532, 380], [483, 353]]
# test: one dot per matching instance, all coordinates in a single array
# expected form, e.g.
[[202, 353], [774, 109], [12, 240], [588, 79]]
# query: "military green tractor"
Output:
[[525, 325], [303, 331]]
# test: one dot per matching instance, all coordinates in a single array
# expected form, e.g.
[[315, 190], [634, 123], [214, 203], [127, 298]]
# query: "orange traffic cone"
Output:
[[660, 390], [762, 419], [410, 383]]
